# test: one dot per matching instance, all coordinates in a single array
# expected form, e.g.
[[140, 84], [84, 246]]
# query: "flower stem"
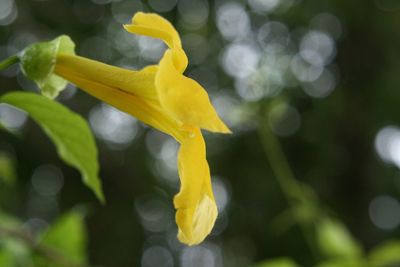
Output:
[[8, 62], [291, 188]]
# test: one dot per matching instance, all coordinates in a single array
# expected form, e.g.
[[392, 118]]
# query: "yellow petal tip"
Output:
[[219, 127], [197, 225], [225, 130]]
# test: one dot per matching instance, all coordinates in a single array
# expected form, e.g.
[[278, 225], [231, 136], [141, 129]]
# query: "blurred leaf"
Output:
[[386, 254], [283, 221], [68, 236], [69, 132], [281, 262], [345, 263], [13, 252], [6, 258], [7, 169], [335, 240], [305, 211], [7, 220]]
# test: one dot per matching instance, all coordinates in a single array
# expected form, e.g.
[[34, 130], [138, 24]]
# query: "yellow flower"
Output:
[[161, 96]]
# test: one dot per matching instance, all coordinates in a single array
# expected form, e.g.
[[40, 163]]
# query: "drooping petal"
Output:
[[195, 203], [139, 83], [155, 26], [146, 110], [185, 99]]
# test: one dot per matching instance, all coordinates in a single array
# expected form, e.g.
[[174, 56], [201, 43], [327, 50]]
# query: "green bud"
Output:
[[38, 61]]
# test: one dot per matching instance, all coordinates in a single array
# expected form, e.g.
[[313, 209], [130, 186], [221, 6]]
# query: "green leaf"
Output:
[[68, 236], [7, 168], [38, 61], [386, 254], [280, 262], [335, 240], [68, 131]]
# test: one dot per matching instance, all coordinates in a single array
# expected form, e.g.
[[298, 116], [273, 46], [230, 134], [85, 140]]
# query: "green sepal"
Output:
[[38, 61]]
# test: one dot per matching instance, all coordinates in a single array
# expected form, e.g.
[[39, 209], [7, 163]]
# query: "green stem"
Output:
[[8, 62], [290, 187]]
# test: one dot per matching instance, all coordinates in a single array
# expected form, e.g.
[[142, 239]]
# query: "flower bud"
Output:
[[38, 61]]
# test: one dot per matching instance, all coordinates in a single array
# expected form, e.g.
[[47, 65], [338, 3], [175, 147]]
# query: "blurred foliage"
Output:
[[8, 172], [52, 248], [277, 263], [335, 240], [386, 254], [73, 247], [335, 146]]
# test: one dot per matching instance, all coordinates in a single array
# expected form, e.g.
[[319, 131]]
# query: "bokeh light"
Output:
[[205, 255], [154, 213], [284, 120], [162, 5], [240, 60], [116, 128], [47, 180], [317, 48], [8, 12], [233, 21], [273, 37], [157, 256], [12, 118], [194, 13], [387, 144], [264, 6], [384, 212], [122, 10]]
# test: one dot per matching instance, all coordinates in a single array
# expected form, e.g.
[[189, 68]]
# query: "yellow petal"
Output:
[[155, 26], [185, 99], [139, 83], [195, 203], [148, 111], [181, 97], [201, 223]]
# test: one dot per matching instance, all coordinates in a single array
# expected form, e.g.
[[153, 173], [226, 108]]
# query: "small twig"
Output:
[[8, 62], [45, 251]]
